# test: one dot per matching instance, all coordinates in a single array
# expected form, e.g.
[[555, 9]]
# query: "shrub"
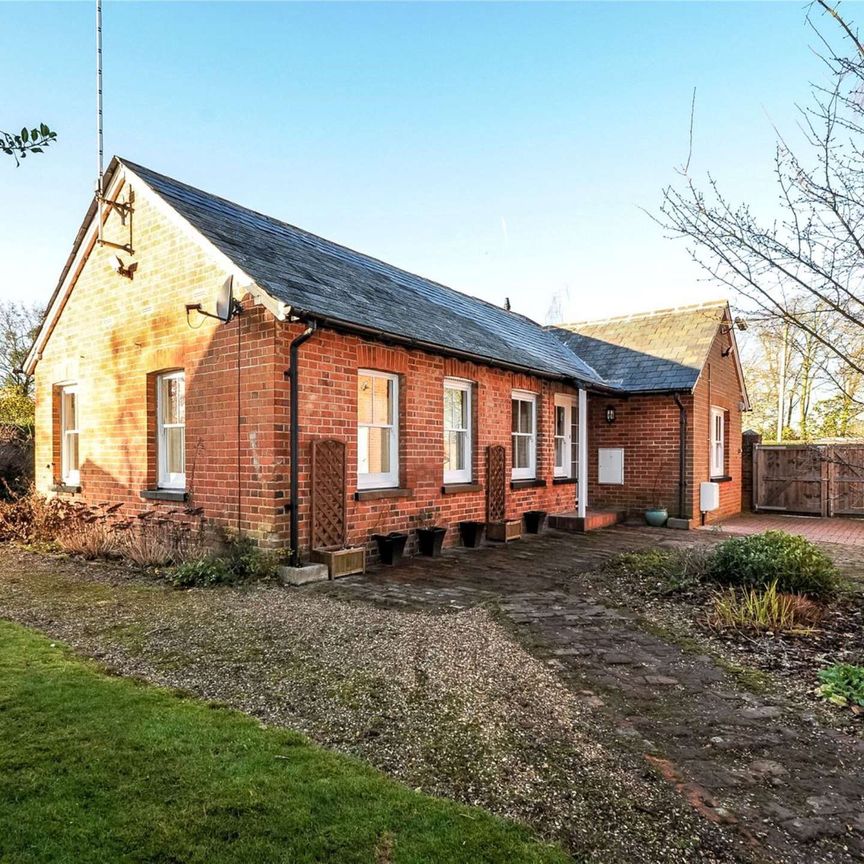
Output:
[[88, 538], [843, 684], [159, 538], [31, 518], [200, 573], [794, 564], [240, 561], [670, 570], [768, 610]]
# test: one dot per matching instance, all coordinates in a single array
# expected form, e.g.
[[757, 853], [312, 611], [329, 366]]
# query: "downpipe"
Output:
[[291, 375], [682, 456]]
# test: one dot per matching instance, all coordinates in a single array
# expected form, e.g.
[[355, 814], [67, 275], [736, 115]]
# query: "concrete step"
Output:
[[593, 520]]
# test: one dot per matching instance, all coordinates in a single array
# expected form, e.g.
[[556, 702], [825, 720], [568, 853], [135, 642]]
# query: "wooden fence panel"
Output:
[[847, 480], [816, 479], [789, 478]]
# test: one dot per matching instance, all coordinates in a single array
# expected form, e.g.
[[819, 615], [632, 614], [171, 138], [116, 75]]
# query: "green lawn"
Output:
[[100, 769]]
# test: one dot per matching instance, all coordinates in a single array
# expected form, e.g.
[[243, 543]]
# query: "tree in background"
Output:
[[18, 325], [804, 273], [33, 140]]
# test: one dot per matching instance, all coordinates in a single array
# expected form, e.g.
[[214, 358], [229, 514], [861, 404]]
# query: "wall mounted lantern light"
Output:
[[610, 414]]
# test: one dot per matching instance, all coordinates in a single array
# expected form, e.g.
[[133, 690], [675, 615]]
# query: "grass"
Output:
[[765, 611], [101, 769]]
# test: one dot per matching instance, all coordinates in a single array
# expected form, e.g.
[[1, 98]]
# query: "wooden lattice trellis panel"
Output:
[[329, 528], [496, 483]]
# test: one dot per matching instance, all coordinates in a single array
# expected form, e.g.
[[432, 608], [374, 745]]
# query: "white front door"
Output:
[[566, 431]]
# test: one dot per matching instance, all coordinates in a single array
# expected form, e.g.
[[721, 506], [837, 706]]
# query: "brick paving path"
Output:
[[759, 765], [847, 531]]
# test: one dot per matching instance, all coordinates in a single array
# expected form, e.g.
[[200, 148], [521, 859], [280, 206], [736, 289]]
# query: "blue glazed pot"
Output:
[[656, 517]]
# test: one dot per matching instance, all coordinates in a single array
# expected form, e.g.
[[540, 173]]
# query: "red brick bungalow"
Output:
[[143, 398]]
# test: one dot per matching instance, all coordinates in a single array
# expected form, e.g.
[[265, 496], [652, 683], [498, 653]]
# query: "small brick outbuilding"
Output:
[[144, 398]]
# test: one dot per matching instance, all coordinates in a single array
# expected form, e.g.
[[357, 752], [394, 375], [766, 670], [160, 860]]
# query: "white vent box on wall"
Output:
[[610, 465], [709, 496]]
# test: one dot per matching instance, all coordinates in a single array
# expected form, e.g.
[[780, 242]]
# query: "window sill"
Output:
[[527, 484], [178, 495], [724, 479], [563, 481], [67, 488], [456, 488], [372, 494]]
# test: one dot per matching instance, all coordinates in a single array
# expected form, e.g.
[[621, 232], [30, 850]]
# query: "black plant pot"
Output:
[[535, 520], [472, 533], [390, 546], [430, 541]]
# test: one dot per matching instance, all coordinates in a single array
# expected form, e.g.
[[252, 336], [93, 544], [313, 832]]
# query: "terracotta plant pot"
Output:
[[430, 541], [390, 546]]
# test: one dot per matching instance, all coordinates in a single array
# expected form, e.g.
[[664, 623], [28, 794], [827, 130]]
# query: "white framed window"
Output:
[[718, 446], [524, 430], [457, 431], [377, 430], [171, 429], [70, 474], [566, 434]]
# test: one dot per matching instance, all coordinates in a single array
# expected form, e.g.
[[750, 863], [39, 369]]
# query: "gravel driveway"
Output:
[[449, 703]]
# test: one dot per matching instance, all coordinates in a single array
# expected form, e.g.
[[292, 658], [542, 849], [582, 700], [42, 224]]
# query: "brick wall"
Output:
[[115, 333], [328, 409], [647, 427], [718, 387]]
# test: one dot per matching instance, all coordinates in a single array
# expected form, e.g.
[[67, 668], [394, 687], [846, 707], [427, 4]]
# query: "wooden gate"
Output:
[[846, 480], [816, 479], [329, 528]]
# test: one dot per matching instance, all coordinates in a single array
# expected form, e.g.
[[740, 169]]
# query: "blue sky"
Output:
[[503, 149]]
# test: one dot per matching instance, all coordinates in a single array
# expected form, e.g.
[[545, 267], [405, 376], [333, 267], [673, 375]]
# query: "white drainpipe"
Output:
[[582, 470]]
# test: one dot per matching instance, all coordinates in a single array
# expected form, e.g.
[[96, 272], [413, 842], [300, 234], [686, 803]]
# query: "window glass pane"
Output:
[[454, 409], [560, 423], [525, 423], [560, 450], [173, 408], [454, 451], [378, 450], [175, 457], [381, 400], [70, 409], [363, 450], [521, 452], [458, 409], [514, 423], [71, 451], [364, 399]]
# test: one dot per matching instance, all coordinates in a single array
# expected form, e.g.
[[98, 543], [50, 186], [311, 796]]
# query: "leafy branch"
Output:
[[27, 141]]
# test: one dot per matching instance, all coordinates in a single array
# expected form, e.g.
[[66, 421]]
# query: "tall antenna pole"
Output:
[[99, 165]]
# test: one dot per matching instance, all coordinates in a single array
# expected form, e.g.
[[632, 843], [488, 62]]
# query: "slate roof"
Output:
[[321, 278], [659, 350]]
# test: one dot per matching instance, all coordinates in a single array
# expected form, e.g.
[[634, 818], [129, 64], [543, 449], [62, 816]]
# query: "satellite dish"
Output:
[[225, 306]]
